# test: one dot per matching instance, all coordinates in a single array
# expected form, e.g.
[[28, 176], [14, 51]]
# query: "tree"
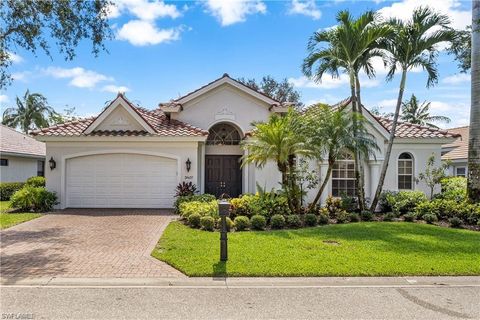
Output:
[[413, 44], [282, 91], [349, 48], [473, 184], [416, 113], [28, 24], [461, 48], [330, 133], [278, 140], [433, 175], [33, 112], [69, 114]]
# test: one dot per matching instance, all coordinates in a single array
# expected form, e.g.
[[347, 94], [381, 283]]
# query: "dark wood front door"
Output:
[[223, 175]]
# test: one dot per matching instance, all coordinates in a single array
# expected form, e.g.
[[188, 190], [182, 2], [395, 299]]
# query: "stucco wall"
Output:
[[19, 169]]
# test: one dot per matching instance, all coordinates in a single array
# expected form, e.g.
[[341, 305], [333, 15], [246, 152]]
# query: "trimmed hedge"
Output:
[[197, 197], [7, 189], [35, 182], [36, 199], [202, 208], [241, 223], [258, 222]]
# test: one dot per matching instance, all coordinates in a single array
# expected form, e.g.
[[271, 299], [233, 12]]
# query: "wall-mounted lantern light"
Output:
[[188, 163], [52, 163]]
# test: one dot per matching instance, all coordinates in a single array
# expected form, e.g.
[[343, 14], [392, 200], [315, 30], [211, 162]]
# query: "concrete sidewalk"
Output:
[[296, 282]]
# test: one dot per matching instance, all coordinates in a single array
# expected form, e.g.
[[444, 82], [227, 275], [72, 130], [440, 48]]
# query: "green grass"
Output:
[[363, 249], [10, 219]]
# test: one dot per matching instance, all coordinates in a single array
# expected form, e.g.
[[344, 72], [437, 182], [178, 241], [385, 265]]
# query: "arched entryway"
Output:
[[223, 174]]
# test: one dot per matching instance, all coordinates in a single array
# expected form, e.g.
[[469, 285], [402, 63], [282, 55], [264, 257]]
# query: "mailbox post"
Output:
[[223, 209]]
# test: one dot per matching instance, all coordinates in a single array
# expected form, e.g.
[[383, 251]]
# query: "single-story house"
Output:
[[21, 156], [128, 156], [457, 152]]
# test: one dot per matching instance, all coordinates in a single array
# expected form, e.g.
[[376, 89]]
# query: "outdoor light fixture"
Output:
[[188, 163], [52, 163]]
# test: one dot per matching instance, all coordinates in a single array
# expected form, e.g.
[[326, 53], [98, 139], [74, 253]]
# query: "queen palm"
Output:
[[278, 140], [419, 113], [32, 112], [414, 43], [349, 48]]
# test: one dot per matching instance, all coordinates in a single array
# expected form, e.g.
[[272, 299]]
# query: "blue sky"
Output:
[[165, 49]]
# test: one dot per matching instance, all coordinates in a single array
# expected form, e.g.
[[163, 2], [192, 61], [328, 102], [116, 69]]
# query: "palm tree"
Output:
[[278, 140], [33, 112], [350, 46], [330, 133], [416, 113], [473, 184], [413, 44]]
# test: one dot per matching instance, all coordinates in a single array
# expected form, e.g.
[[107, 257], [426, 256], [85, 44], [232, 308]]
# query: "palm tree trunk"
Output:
[[361, 170], [473, 184], [283, 168], [390, 141], [323, 186]]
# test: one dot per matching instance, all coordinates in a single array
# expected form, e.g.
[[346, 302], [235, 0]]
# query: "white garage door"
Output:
[[121, 181]]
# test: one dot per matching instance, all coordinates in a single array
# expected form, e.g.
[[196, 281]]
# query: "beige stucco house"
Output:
[[128, 156], [457, 152]]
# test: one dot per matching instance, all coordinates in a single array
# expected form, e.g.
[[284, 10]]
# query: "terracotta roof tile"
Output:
[[410, 130], [12, 141]]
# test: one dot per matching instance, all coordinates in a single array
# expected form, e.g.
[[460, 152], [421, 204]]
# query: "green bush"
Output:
[[430, 218], [410, 217], [445, 209], [348, 204], [197, 197], [334, 206], [293, 221], [7, 189], [310, 220], [323, 219], [258, 222], [425, 208], [241, 223], [194, 220], [277, 221], [266, 204], [342, 216], [353, 217], [202, 208], [35, 182], [405, 201], [383, 204], [455, 222], [34, 199], [454, 188], [229, 223], [207, 223], [366, 215], [390, 216]]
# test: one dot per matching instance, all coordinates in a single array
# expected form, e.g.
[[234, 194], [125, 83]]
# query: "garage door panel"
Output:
[[121, 180]]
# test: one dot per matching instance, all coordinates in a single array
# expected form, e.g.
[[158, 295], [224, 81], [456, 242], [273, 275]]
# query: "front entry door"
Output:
[[223, 175]]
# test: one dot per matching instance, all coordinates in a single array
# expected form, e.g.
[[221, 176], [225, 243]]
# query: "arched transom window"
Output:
[[223, 134], [405, 171]]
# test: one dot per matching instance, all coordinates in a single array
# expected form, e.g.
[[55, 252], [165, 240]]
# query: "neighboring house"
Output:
[[128, 156], [21, 156], [457, 152]]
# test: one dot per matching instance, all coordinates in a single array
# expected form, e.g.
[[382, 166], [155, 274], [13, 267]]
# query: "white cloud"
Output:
[[15, 58], [142, 33], [436, 106], [79, 77], [233, 11], [115, 89], [457, 78], [143, 9], [330, 83], [4, 98], [21, 76], [388, 104], [307, 8]]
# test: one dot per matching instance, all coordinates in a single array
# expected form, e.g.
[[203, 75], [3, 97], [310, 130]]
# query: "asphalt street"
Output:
[[150, 302]]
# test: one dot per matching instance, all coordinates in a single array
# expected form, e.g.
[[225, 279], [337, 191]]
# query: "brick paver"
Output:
[[86, 243]]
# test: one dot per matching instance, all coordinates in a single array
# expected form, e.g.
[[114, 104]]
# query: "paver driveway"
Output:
[[86, 243]]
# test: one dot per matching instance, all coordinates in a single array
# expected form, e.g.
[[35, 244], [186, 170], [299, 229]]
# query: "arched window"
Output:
[[405, 171], [343, 176], [223, 134]]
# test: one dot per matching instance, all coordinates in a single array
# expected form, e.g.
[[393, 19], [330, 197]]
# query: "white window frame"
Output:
[[412, 160], [346, 161]]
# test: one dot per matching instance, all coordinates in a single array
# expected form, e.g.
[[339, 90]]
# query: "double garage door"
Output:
[[120, 181]]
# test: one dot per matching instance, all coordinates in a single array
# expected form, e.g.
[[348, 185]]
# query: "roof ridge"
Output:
[[418, 125], [59, 125]]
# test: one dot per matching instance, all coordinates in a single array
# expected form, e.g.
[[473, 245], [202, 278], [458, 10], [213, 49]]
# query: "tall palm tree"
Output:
[[278, 140], [349, 48], [473, 185], [33, 112], [416, 113], [330, 134], [413, 44]]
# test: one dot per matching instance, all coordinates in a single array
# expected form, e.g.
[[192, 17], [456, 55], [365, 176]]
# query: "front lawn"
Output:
[[355, 249], [10, 219]]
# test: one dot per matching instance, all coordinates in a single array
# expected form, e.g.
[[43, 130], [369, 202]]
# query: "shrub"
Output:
[[405, 201], [430, 218], [409, 217], [7, 189], [472, 214], [455, 222], [198, 197], [366, 215], [229, 223], [383, 204], [425, 208], [348, 204], [202, 208], [293, 221], [185, 189], [333, 205], [454, 188], [207, 223], [323, 219], [277, 221], [194, 220], [390, 216], [266, 204], [258, 222], [241, 223], [35, 182], [342, 216], [354, 217], [310, 220], [37, 199]]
